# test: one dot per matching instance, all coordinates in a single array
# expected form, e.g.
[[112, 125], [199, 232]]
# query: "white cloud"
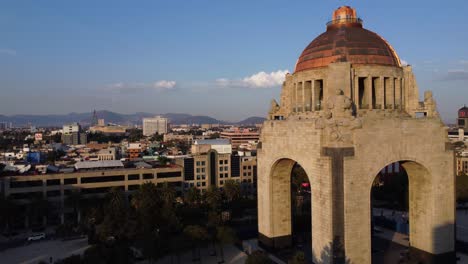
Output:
[[10, 52], [258, 80], [164, 84], [137, 87], [455, 75], [404, 63]]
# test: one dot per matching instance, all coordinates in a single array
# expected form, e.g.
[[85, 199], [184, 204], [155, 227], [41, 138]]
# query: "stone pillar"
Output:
[[368, 92], [398, 94], [337, 156], [308, 96], [299, 98], [381, 93], [390, 93], [292, 97], [274, 204], [313, 95], [303, 101], [356, 92]]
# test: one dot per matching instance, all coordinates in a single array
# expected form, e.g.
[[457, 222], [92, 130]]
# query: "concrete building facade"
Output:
[[238, 138], [350, 109], [89, 182], [212, 164], [154, 125]]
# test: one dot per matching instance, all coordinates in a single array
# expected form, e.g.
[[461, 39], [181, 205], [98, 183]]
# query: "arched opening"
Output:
[[291, 209], [397, 193], [301, 215]]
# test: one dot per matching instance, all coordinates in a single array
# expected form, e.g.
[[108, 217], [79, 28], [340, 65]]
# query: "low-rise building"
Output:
[[238, 138], [89, 180]]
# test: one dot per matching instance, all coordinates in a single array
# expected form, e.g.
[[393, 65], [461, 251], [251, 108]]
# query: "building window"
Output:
[[203, 184], [203, 163]]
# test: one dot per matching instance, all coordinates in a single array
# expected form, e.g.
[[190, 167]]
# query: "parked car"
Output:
[[36, 237]]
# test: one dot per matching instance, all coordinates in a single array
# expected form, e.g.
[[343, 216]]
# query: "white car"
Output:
[[36, 237]]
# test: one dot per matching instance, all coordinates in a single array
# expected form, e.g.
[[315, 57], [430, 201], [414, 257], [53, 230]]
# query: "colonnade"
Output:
[[307, 96], [378, 92], [367, 92]]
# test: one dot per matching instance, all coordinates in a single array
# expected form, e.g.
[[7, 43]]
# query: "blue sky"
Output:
[[203, 57]]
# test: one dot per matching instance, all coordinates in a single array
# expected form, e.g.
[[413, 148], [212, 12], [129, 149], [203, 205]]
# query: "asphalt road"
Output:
[[43, 250]]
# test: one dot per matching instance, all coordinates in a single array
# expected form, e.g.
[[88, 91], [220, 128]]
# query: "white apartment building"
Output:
[[155, 124]]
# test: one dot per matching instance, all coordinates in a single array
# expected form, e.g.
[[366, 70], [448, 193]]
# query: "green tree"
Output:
[[212, 197], [134, 134], [115, 221], [232, 190], [167, 194], [147, 203], [192, 196]]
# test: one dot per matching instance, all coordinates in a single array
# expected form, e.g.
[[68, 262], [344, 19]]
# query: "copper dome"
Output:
[[347, 41], [463, 112]]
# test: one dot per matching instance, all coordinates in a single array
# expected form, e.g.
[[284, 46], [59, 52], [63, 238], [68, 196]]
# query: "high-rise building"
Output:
[[73, 135], [212, 163], [154, 125]]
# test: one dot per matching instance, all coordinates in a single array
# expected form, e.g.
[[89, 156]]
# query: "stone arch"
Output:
[[280, 206], [419, 205]]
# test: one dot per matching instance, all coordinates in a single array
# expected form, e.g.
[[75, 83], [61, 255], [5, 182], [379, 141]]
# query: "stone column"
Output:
[[292, 97], [381, 93], [398, 93], [308, 96], [303, 97], [368, 92], [337, 156], [295, 97], [356, 91], [390, 93]]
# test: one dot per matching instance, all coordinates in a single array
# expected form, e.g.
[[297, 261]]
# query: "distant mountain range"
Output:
[[85, 119]]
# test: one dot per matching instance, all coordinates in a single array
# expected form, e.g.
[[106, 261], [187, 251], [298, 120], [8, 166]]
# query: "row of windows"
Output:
[[247, 167], [221, 162], [225, 168], [201, 163], [199, 184], [201, 177], [97, 179], [245, 174], [223, 175], [200, 170]]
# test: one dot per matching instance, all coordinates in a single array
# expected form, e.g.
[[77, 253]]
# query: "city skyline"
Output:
[[226, 60]]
